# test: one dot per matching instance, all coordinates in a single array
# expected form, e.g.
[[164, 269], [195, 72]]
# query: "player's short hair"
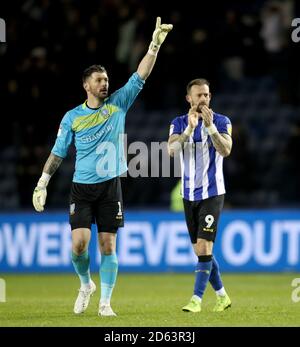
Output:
[[197, 82], [91, 69]]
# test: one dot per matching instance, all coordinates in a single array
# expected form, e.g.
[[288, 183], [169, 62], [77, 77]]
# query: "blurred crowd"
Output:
[[243, 47]]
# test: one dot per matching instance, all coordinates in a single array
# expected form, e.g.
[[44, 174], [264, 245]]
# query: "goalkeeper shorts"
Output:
[[99, 203]]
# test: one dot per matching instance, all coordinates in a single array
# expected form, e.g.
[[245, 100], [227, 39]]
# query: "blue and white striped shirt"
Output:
[[201, 165]]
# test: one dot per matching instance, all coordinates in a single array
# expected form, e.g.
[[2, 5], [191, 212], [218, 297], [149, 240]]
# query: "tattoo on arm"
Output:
[[222, 143], [52, 164], [176, 143]]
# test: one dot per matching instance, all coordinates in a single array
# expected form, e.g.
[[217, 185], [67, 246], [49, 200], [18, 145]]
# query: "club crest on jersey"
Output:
[[72, 209], [105, 113]]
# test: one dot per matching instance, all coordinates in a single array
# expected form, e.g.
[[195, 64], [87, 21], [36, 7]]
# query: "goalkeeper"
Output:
[[97, 126]]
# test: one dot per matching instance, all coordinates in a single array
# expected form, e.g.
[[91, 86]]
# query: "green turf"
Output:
[[150, 301]]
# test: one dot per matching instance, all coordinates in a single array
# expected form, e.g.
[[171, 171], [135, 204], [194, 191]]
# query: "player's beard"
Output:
[[100, 94], [200, 105]]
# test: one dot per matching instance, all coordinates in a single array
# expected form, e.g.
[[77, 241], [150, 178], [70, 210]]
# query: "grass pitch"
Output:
[[259, 300]]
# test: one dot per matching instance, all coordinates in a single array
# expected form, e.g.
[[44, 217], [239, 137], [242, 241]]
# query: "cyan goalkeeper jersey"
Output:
[[98, 135]]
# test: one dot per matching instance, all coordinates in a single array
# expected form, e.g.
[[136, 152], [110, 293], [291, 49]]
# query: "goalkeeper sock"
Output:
[[215, 278], [203, 269], [108, 276], [81, 264]]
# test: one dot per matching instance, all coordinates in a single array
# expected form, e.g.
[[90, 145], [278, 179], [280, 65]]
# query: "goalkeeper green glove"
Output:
[[159, 35], [40, 192]]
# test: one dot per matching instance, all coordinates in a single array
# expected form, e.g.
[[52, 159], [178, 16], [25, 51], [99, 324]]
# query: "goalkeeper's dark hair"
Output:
[[196, 82], [91, 69]]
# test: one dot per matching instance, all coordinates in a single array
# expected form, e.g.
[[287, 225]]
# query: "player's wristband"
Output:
[[153, 48], [212, 129], [188, 130], [44, 180]]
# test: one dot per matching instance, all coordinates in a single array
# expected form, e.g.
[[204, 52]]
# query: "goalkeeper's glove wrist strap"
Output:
[[44, 180], [153, 48]]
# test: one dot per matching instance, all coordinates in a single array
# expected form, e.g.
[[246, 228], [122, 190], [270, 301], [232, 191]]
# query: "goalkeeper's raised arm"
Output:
[[158, 37]]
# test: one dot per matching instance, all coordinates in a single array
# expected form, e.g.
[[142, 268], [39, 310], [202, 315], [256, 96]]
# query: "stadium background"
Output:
[[243, 47]]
